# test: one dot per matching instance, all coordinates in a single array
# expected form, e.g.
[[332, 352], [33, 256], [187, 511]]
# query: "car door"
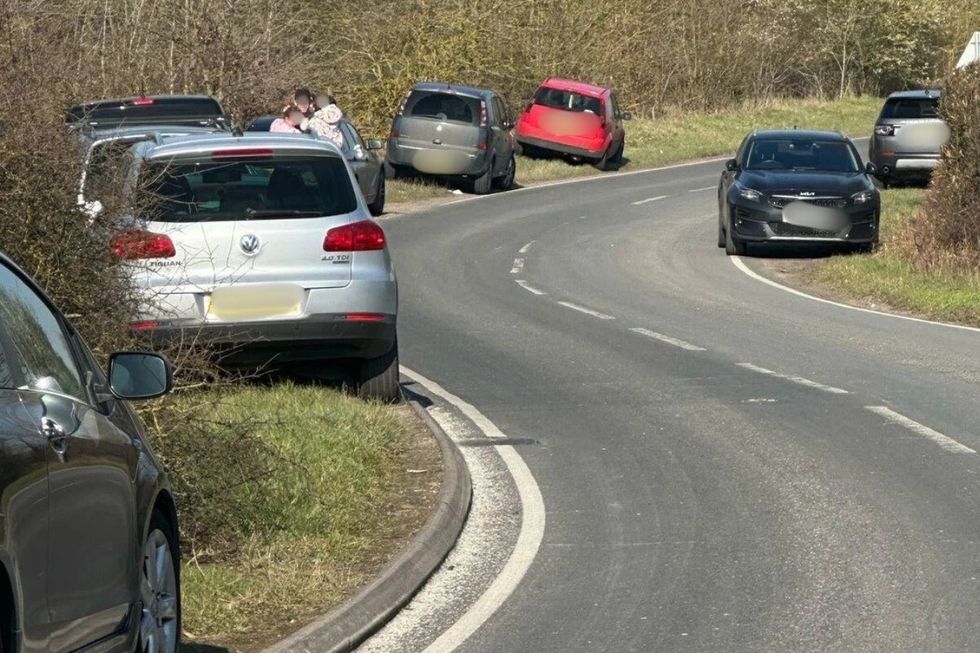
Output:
[[23, 499], [92, 571], [365, 164], [499, 127], [616, 119]]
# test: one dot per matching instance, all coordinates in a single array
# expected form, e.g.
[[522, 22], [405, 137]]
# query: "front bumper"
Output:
[[762, 222]]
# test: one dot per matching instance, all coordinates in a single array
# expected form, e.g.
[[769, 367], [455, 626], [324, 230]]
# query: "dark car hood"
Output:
[[829, 183]]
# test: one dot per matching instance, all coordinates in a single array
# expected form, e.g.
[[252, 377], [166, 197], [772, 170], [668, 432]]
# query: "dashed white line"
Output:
[[531, 289], [518, 266], [582, 217], [677, 342], [946, 442], [651, 199], [528, 539], [587, 311], [526, 248], [799, 380], [701, 190]]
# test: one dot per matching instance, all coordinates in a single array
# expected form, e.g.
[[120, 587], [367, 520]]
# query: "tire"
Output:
[[378, 378], [377, 207], [617, 157], [721, 234], [733, 245], [483, 184], [159, 627], [863, 248], [605, 163], [506, 182]]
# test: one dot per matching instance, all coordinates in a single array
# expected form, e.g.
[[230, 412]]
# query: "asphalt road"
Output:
[[725, 466]]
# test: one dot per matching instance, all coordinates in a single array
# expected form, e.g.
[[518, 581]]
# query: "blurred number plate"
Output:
[[256, 301]]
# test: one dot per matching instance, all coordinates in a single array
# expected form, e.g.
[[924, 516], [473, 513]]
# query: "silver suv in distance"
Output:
[[455, 132], [263, 242], [908, 137]]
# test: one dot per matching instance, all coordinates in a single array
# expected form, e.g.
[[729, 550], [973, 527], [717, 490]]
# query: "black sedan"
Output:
[[797, 186], [89, 557]]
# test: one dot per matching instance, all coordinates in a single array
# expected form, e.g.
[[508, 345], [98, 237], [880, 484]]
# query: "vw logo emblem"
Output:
[[249, 244]]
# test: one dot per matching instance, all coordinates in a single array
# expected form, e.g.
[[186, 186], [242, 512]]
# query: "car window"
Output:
[[354, 136], [281, 187], [103, 172], [444, 106], [37, 352], [498, 111], [801, 154], [567, 100], [911, 109]]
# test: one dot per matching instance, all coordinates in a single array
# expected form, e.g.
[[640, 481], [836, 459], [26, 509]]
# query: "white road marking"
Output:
[[531, 289], [799, 380], [528, 540], [587, 311], [518, 266], [651, 199], [947, 443], [701, 190], [582, 217], [677, 342], [758, 277], [526, 248]]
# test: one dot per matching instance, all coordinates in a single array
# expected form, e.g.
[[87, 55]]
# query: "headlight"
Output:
[[749, 194], [863, 197]]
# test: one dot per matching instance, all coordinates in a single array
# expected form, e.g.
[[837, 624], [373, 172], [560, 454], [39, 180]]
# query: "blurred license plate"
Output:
[[256, 301]]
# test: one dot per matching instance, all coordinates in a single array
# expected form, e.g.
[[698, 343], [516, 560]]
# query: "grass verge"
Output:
[[357, 481], [683, 137], [884, 278]]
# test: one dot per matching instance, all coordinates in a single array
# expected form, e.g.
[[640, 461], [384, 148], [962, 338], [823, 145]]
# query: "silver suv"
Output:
[[908, 137], [263, 242], [455, 132]]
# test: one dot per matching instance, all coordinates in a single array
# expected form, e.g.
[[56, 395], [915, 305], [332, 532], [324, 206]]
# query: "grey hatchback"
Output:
[[89, 557], [454, 132]]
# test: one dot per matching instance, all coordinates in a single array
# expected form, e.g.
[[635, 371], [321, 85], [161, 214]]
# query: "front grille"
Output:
[[780, 201], [792, 230]]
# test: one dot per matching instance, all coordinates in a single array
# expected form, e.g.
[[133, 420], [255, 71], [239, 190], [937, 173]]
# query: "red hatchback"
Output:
[[574, 119]]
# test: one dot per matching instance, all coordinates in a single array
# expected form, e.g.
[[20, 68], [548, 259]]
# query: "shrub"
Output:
[[945, 235]]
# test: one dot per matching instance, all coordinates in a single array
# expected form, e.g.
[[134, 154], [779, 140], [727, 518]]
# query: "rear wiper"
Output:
[[253, 214]]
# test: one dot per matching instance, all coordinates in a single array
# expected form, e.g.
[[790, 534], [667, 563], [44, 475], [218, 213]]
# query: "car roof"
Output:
[[149, 130], [147, 110], [799, 133], [917, 94], [179, 146], [582, 88], [455, 88]]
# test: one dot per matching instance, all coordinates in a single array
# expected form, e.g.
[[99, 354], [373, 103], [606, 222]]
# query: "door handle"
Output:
[[55, 434]]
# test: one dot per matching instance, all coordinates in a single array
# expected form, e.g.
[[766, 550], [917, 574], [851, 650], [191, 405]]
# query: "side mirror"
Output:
[[732, 165], [374, 144], [357, 153], [626, 115], [139, 375], [507, 123], [870, 169]]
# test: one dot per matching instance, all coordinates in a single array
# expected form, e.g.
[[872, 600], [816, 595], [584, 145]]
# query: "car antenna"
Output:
[[237, 131]]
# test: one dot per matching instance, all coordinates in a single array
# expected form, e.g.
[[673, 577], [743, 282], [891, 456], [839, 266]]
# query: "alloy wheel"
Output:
[[158, 588]]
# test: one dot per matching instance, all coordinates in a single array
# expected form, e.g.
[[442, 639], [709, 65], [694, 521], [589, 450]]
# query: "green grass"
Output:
[[339, 457], [686, 136], [886, 278]]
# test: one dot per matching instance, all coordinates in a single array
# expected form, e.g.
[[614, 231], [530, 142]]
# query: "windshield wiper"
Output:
[[253, 214]]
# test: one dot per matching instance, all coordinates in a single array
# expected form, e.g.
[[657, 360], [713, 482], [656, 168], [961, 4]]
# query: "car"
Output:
[[574, 119], [90, 557], [363, 156], [454, 132], [796, 186], [908, 137], [184, 110], [261, 245], [103, 154]]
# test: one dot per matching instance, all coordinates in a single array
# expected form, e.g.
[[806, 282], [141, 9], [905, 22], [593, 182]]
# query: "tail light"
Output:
[[242, 153], [394, 134], [139, 244], [363, 236], [142, 101], [144, 325], [884, 130], [483, 113], [401, 107], [364, 317]]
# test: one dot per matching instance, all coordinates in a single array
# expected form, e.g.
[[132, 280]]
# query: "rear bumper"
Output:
[[581, 147], [902, 164], [438, 161]]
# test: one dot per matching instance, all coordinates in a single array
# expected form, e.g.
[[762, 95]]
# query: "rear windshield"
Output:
[[159, 111], [910, 109], [443, 106], [567, 100], [280, 188], [801, 154]]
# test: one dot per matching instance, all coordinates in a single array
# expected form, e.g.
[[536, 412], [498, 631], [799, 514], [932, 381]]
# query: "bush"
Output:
[[945, 235]]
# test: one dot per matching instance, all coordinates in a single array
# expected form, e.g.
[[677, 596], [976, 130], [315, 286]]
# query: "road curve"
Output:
[[725, 466]]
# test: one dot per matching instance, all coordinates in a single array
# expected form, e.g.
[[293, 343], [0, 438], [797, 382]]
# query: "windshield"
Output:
[[290, 187], [567, 100], [444, 106], [801, 154], [911, 109]]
